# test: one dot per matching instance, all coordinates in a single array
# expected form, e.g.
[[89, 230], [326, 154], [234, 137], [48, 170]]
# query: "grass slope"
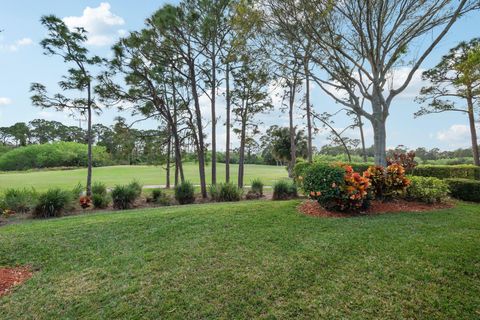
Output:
[[246, 260], [147, 175]]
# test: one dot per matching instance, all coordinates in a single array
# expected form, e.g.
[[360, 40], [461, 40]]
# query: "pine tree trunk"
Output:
[[89, 143], [473, 131], [293, 147], [169, 151], [309, 112], [227, 124], [176, 139], [214, 117], [201, 143], [241, 159]]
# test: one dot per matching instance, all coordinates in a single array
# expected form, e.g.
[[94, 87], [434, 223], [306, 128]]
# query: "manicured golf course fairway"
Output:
[[146, 175]]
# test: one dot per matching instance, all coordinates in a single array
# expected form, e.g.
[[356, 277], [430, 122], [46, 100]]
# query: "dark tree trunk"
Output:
[[169, 151], [227, 124], [176, 173], [241, 159], [473, 131], [293, 147], [309, 112], [214, 117], [89, 142], [200, 144]]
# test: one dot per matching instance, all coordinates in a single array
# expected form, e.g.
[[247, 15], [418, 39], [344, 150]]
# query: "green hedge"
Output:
[[437, 171], [464, 189], [59, 154], [445, 172]]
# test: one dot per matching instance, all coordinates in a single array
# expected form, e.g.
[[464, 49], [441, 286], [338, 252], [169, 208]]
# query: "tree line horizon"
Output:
[[349, 49]]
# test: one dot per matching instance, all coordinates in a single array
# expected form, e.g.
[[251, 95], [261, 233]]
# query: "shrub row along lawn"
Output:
[[146, 175], [246, 260]]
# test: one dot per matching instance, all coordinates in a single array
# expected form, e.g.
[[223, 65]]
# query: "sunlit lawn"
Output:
[[246, 260], [147, 175]]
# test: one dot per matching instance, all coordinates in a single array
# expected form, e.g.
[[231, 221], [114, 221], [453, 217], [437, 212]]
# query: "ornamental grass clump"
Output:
[[225, 192], [53, 203], [185, 193], [100, 198], [124, 196], [284, 190], [19, 200]]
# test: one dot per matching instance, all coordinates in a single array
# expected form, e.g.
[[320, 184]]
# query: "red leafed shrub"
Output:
[[389, 182], [85, 202], [406, 160]]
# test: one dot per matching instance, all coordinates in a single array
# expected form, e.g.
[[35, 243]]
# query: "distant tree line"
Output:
[[125, 145]]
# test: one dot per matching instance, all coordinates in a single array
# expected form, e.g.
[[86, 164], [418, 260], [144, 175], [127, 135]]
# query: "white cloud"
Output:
[[398, 77], [5, 101], [13, 47], [102, 25], [457, 136]]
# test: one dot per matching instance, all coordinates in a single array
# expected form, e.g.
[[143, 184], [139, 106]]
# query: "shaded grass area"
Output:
[[147, 175], [246, 260]]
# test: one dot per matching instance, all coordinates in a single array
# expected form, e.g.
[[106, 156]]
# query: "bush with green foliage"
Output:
[[136, 187], [99, 188], [446, 172], [124, 196], [19, 200], [100, 201], [225, 192], [185, 193], [437, 171], [300, 169], [159, 197], [257, 186], [464, 189], [284, 190], [319, 177], [59, 154], [53, 203], [427, 189]]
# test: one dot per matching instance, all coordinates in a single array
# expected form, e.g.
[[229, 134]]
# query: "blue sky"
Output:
[[22, 62]]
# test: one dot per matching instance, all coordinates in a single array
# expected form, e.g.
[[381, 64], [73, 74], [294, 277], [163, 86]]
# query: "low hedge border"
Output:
[[437, 171], [464, 189]]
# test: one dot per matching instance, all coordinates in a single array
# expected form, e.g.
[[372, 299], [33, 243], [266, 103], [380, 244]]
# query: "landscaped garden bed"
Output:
[[313, 208], [11, 277]]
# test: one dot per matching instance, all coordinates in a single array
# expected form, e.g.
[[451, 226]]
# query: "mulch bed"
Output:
[[10, 277], [312, 208]]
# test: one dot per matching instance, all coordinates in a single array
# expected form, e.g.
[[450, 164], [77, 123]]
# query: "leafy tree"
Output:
[[69, 44], [20, 132], [148, 85], [277, 140], [455, 80], [215, 17], [179, 30], [249, 98], [360, 44]]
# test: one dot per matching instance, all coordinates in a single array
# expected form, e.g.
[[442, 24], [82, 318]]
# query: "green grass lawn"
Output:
[[246, 260], [147, 175]]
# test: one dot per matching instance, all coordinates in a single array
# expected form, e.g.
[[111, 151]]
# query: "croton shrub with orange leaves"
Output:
[[388, 183], [336, 187]]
